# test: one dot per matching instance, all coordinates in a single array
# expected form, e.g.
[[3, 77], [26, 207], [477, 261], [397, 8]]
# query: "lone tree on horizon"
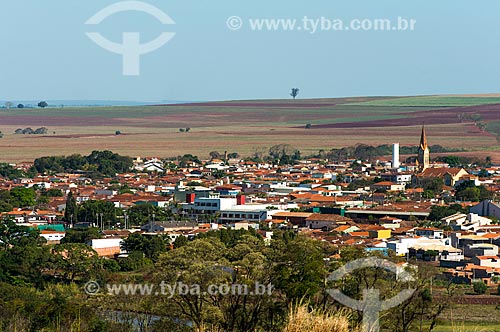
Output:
[[43, 104], [295, 92]]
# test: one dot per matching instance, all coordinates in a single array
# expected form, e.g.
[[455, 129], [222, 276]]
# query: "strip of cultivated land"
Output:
[[247, 126]]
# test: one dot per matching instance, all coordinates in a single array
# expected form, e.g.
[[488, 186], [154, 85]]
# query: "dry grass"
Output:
[[303, 320], [244, 139]]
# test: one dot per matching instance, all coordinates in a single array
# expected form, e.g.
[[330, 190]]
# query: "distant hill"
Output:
[[83, 103]]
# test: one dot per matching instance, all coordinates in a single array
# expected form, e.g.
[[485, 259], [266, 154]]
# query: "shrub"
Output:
[[479, 287]]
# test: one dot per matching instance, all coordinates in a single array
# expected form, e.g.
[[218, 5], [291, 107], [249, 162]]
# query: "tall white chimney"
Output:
[[395, 156]]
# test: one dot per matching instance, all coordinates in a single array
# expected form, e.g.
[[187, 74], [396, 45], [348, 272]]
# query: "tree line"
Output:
[[97, 164]]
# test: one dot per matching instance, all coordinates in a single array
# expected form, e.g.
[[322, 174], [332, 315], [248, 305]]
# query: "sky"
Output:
[[46, 54]]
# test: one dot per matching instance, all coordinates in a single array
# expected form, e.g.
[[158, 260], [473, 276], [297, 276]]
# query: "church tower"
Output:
[[423, 151]]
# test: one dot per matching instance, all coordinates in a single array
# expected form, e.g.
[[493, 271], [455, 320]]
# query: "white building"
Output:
[[401, 246], [52, 237], [151, 165], [429, 232], [466, 222], [107, 247]]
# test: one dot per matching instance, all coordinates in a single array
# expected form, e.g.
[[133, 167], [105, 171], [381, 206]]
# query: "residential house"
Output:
[[489, 261], [387, 186], [466, 222], [429, 232], [481, 249], [107, 247], [327, 221], [376, 232], [52, 236], [450, 176], [295, 218]]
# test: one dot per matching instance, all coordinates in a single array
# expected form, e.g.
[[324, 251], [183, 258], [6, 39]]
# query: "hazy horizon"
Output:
[[47, 56]]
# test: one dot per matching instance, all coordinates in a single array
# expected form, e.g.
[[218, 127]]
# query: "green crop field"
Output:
[[432, 101]]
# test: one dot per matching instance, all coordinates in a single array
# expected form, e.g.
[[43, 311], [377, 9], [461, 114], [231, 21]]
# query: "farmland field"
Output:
[[246, 126]]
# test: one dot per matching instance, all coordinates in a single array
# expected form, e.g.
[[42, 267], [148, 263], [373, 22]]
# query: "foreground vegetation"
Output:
[[42, 285]]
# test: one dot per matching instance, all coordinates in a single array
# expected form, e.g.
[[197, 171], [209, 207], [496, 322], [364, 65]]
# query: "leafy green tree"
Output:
[[110, 265], [12, 234], [141, 214], [151, 246], [75, 260], [434, 185], [206, 262], [200, 263], [19, 197], [219, 174], [134, 262], [53, 308], [180, 241], [9, 172], [453, 161], [468, 194], [479, 287], [439, 212], [5, 207], [71, 210], [300, 270], [97, 165], [54, 192], [483, 173], [25, 263], [228, 237], [90, 211], [187, 159], [42, 104], [81, 235]]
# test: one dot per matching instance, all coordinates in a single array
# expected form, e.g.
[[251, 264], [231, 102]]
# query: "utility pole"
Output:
[[152, 221]]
